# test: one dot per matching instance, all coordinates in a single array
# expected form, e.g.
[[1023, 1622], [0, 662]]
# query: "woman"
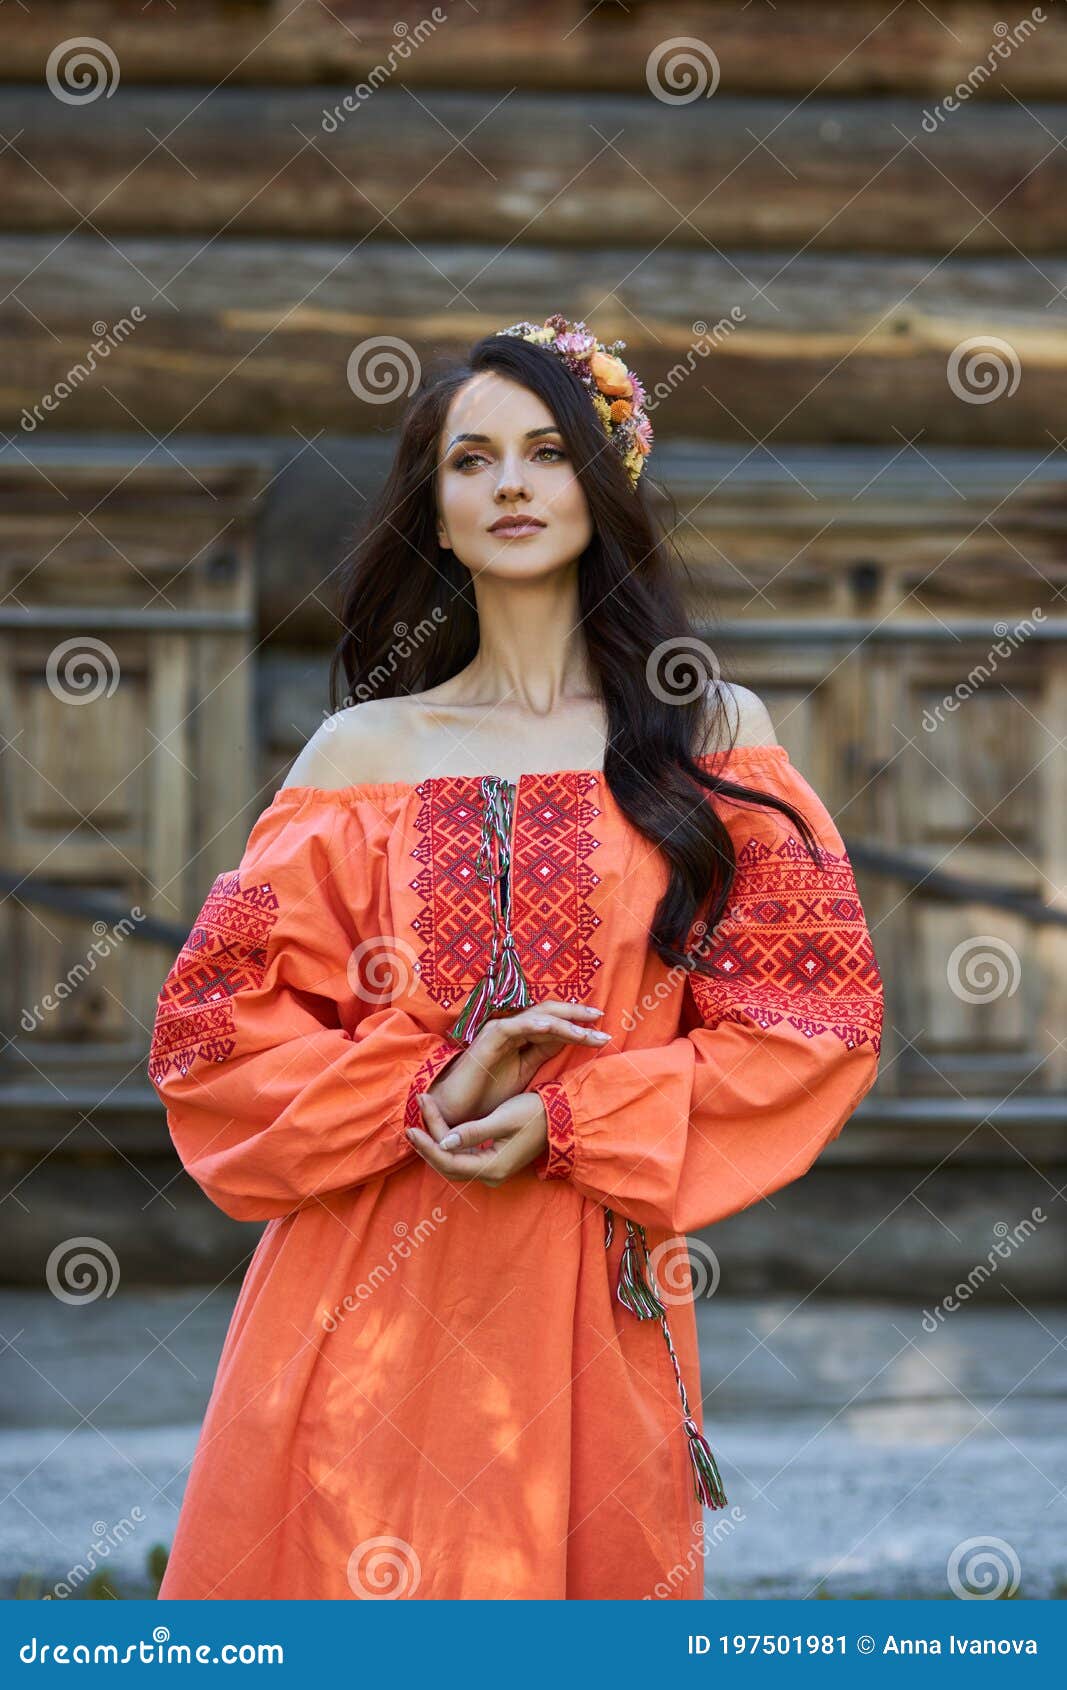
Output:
[[482, 1047]]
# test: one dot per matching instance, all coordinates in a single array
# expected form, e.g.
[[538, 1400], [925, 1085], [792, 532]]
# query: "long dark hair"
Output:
[[397, 577]]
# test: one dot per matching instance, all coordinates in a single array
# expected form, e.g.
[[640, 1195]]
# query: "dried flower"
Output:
[[601, 372]]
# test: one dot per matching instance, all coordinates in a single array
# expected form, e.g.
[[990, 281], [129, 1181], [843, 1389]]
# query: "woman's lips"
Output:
[[516, 530]]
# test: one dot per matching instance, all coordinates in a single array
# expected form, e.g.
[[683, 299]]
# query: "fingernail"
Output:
[[597, 1034], [450, 1141]]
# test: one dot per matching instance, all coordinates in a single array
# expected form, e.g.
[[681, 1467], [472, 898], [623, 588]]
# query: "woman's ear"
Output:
[[442, 536]]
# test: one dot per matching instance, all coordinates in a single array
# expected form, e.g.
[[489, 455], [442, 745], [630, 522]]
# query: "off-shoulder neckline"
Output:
[[372, 790]]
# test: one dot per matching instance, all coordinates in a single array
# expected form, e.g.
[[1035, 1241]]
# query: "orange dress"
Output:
[[441, 1389]]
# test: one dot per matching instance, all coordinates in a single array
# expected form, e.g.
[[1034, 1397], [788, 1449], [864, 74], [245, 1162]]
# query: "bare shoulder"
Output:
[[736, 714], [353, 747]]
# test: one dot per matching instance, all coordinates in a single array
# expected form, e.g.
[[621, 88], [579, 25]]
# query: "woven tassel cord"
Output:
[[474, 1011], [706, 1476], [636, 1290], [504, 988]]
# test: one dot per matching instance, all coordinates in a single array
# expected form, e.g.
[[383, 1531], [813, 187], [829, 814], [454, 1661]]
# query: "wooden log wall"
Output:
[[841, 266], [822, 201]]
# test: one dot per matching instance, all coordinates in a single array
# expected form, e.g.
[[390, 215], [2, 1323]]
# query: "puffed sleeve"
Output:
[[779, 1049], [272, 1100]]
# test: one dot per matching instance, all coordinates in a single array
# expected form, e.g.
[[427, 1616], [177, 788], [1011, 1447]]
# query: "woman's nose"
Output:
[[511, 483]]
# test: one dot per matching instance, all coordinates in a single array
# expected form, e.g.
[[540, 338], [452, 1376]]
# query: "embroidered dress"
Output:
[[440, 1389]]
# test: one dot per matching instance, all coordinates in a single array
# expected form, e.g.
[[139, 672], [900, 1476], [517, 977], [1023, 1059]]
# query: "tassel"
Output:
[[706, 1475], [474, 1011], [634, 1290], [637, 1292], [504, 989], [513, 989]]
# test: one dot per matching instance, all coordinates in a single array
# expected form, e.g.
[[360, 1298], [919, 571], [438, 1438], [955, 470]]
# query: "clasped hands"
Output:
[[482, 1094]]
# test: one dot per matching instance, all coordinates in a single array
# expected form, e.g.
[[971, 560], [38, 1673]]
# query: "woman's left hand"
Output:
[[518, 1127]]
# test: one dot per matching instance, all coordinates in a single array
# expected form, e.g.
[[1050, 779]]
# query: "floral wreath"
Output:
[[616, 393]]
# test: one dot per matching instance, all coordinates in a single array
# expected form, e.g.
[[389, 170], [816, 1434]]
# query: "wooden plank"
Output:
[[966, 786], [1051, 943], [843, 46], [835, 175], [168, 823], [226, 801], [257, 335]]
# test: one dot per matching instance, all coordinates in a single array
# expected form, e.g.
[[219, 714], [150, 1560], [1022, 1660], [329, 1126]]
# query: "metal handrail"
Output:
[[940, 884]]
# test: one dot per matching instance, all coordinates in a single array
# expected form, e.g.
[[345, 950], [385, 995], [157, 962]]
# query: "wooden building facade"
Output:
[[845, 284]]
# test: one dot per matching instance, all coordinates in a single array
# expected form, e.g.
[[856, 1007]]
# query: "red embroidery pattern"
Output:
[[560, 1162], [225, 953], [795, 947], [425, 1074], [551, 879]]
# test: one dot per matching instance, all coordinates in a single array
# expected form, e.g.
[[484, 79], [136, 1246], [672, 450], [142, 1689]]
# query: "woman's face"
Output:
[[501, 455]]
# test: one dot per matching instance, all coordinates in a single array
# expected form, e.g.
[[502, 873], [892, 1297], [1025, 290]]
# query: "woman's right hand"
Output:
[[506, 1053]]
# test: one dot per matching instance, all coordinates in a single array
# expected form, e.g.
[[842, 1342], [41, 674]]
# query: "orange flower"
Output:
[[611, 375], [620, 410]]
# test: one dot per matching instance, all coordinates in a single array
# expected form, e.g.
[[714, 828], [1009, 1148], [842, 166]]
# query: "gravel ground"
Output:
[[863, 1456]]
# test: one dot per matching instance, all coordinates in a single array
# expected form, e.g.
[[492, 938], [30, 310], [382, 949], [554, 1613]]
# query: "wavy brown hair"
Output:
[[396, 575]]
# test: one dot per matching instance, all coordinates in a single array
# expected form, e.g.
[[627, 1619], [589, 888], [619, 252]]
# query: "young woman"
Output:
[[539, 961]]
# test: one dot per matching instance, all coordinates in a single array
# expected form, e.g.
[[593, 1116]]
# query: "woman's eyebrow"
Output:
[[531, 433]]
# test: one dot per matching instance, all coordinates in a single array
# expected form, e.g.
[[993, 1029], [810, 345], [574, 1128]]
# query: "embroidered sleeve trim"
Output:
[[559, 1162], [225, 954], [793, 948], [425, 1074]]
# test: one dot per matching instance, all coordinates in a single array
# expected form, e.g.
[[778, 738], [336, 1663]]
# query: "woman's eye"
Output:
[[466, 458]]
